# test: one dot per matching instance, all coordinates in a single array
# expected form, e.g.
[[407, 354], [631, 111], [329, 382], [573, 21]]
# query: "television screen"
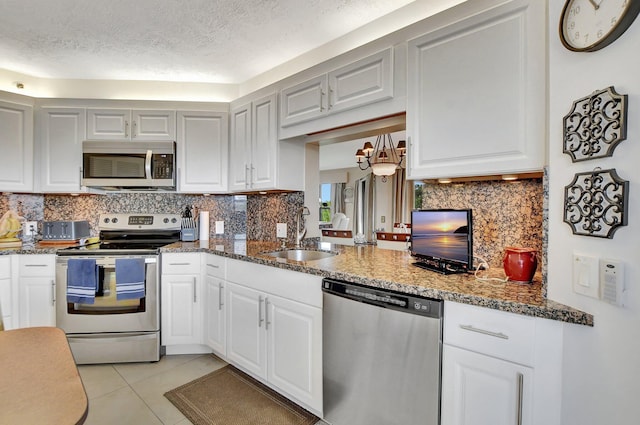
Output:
[[442, 240]]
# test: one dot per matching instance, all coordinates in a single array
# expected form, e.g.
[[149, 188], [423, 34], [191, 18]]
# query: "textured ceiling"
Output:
[[221, 41]]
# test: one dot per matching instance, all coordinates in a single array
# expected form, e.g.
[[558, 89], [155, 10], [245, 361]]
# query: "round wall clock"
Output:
[[588, 25]]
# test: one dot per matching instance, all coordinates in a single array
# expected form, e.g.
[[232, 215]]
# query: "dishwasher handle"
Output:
[[382, 298]]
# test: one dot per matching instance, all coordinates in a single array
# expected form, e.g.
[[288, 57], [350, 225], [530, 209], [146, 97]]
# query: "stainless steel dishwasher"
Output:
[[382, 354]]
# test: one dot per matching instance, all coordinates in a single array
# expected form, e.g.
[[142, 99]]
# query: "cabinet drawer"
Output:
[[214, 265], [295, 286], [5, 267], [36, 265], [181, 263], [496, 333]]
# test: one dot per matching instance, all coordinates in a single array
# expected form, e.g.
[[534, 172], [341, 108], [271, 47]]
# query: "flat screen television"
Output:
[[442, 240]]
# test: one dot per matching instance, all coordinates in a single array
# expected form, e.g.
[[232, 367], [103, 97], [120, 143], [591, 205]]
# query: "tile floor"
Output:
[[133, 394]]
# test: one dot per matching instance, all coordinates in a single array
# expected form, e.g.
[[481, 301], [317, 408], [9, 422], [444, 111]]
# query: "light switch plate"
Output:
[[281, 230], [585, 275], [219, 227]]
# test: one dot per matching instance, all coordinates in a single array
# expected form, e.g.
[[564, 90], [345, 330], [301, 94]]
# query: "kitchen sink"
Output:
[[301, 254]]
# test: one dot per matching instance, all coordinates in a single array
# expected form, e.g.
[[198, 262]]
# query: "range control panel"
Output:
[[139, 221]]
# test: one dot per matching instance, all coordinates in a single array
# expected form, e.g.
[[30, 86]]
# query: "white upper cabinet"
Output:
[[60, 134], [202, 151], [362, 82], [258, 160], [240, 147], [127, 124], [16, 143], [476, 94], [304, 101]]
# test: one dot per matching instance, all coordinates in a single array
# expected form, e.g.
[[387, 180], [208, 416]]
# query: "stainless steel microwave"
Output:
[[118, 165]]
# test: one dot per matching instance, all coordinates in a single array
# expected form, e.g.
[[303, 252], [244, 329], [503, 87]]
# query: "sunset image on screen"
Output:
[[441, 234]]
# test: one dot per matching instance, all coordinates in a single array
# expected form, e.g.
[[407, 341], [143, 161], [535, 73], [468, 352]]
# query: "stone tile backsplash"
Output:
[[259, 224], [504, 213]]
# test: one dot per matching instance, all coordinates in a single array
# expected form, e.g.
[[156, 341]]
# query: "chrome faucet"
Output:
[[300, 219]]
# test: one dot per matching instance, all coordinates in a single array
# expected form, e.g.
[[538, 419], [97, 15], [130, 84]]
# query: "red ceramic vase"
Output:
[[520, 263]]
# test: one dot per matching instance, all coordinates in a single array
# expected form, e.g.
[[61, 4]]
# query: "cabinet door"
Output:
[[264, 140], [108, 124], [365, 81], [202, 143], [62, 131], [153, 125], [304, 101], [246, 340], [37, 299], [240, 148], [483, 390], [6, 300], [476, 95], [215, 323], [5, 303], [294, 333], [181, 320], [16, 143]]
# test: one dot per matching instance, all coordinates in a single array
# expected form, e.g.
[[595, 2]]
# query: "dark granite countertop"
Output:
[[38, 248], [388, 269], [382, 268]]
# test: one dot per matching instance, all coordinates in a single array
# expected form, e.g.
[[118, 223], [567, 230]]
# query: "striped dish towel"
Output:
[[82, 280], [130, 278]]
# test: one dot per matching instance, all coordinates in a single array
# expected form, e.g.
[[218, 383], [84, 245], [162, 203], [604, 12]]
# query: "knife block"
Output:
[[189, 234]]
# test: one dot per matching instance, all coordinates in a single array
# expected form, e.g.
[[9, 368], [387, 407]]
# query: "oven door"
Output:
[[107, 313]]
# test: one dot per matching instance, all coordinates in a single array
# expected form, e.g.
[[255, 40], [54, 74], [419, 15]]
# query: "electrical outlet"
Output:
[[30, 228], [281, 230], [383, 219], [219, 227]]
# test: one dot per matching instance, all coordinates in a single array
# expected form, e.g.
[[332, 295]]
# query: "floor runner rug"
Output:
[[231, 397]]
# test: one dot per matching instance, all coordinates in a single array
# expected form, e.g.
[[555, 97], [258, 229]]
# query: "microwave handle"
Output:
[[147, 164]]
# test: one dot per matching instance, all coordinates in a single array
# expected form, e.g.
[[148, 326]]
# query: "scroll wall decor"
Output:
[[595, 125], [596, 203]]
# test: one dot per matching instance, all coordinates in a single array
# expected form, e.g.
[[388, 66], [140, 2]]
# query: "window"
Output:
[[418, 188], [325, 202]]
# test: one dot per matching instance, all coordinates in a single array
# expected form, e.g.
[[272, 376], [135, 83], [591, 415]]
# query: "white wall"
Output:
[[601, 368]]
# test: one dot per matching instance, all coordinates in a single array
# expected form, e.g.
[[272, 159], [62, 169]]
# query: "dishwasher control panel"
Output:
[[383, 298]]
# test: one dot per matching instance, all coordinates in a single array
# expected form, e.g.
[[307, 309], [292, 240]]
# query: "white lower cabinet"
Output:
[[294, 336], [215, 329], [483, 390], [246, 337], [181, 305], [500, 368], [5, 292], [36, 290], [274, 329]]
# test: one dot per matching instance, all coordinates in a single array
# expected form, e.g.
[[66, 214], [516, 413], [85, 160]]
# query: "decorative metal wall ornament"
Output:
[[595, 203], [595, 125]]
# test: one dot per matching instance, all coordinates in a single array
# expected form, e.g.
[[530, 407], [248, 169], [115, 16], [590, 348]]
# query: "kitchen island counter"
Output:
[[393, 270]]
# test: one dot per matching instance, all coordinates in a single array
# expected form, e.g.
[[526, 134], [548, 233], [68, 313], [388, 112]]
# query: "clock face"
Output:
[[588, 25]]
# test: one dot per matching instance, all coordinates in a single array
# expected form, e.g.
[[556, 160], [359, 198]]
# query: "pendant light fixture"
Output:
[[383, 158]]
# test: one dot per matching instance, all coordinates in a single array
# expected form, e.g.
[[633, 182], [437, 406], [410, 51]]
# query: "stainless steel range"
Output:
[[108, 292]]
